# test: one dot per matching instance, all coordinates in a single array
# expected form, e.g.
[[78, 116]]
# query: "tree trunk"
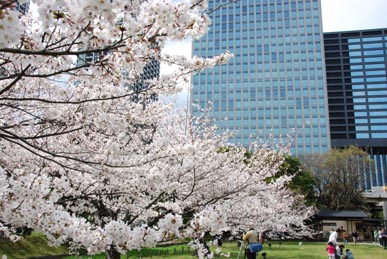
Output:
[[112, 253]]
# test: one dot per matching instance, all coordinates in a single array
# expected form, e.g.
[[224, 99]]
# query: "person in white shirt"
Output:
[[333, 237]]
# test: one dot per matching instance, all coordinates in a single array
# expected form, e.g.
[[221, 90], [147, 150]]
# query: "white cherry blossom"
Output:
[[84, 163]]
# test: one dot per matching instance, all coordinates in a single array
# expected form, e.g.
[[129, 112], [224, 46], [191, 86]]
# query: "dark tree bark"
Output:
[[112, 253]]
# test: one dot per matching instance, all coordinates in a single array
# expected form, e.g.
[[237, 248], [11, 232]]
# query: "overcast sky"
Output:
[[344, 15]]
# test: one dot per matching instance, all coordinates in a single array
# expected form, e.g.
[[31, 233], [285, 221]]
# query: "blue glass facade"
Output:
[[357, 88], [275, 84], [23, 8]]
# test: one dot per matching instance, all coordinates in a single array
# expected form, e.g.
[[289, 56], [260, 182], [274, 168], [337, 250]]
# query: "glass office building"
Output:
[[23, 8], [275, 84], [357, 89]]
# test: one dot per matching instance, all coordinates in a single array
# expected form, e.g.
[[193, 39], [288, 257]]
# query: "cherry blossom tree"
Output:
[[85, 164]]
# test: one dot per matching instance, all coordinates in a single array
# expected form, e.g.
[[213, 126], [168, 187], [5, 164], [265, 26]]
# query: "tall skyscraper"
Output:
[[275, 84], [357, 89]]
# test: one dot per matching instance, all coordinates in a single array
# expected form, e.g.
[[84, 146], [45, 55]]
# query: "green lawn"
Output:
[[285, 250], [292, 250], [35, 246]]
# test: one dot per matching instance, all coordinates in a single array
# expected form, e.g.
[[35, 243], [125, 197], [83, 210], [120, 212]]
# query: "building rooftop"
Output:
[[345, 214]]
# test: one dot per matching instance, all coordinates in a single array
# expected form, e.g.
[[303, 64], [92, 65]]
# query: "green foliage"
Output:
[[302, 183]]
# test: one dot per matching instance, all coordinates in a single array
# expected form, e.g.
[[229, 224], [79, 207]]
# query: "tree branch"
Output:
[[22, 73]]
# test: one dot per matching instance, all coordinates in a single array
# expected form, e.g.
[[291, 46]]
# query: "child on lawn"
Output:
[[331, 250]]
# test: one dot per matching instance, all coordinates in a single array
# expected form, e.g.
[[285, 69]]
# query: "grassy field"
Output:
[[31, 246], [285, 250], [35, 246]]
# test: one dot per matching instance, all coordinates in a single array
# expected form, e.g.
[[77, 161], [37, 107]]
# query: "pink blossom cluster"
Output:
[[84, 163]]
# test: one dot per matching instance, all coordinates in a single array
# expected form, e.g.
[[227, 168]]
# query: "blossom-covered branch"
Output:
[[92, 156]]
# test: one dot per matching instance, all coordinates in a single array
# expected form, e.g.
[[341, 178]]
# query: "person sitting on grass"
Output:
[[339, 251], [348, 254]]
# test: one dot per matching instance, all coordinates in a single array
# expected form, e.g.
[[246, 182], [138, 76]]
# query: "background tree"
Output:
[[340, 177], [302, 182], [85, 164]]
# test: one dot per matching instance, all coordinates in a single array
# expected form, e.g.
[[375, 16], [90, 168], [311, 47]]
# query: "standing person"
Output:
[[261, 238], [376, 235], [380, 237], [331, 250], [384, 238], [341, 231], [348, 254], [355, 236], [333, 237], [250, 237], [345, 237]]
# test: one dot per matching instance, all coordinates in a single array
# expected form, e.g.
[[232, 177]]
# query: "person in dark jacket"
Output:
[[384, 238], [355, 236]]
